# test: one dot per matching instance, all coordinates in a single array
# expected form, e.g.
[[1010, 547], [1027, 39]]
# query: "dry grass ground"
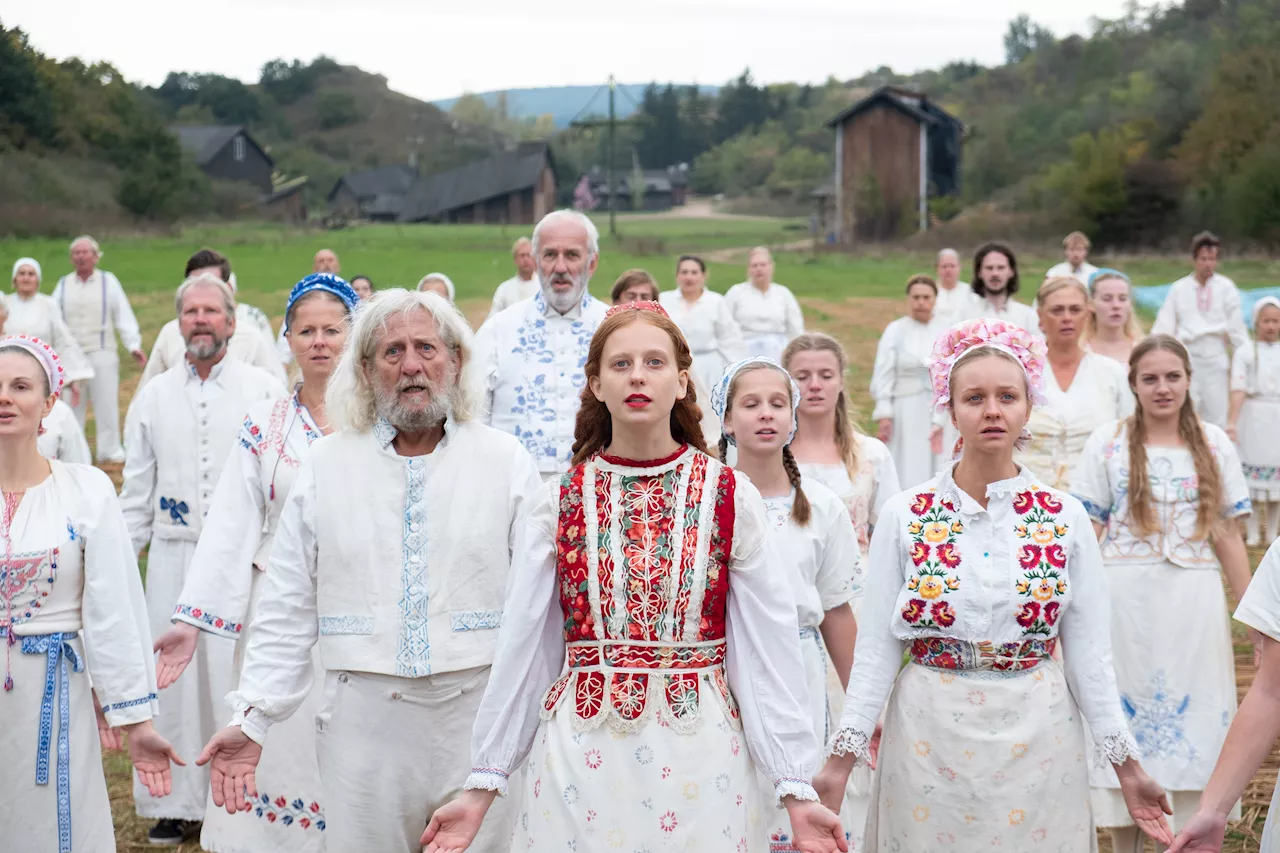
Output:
[[857, 323]]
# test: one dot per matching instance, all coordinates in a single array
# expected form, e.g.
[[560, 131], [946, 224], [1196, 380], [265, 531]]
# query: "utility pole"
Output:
[[611, 126]]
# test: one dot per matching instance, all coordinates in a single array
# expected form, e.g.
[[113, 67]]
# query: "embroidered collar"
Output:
[[385, 433], [965, 503], [214, 372], [617, 464], [309, 427], [542, 309]]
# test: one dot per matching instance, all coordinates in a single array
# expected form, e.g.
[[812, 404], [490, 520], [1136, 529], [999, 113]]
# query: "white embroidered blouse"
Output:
[[1101, 482], [822, 556], [1025, 568]]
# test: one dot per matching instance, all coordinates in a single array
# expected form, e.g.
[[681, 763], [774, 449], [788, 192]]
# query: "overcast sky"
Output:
[[432, 49]]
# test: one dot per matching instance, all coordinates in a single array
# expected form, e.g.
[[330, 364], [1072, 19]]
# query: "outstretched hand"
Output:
[[1202, 834], [108, 737], [175, 647], [1148, 804], [233, 764], [151, 755], [454, 825]]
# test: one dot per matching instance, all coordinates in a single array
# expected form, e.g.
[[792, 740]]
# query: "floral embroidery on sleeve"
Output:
[[934, 553], [1042, 558]]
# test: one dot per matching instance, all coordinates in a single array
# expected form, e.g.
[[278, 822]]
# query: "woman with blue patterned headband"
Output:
[[756, 400], [227, 571], [72, 612]]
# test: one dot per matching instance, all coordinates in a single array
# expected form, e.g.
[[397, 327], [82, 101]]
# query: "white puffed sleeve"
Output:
[[215, 596], [763, 660], [839, 579], [277, 672], [882, 373], [1235, 489], [117, 638], [1085, 630], [137, 496], [879, 656], [529, 657]]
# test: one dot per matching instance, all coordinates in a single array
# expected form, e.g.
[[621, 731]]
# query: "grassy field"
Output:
[[852, 297]]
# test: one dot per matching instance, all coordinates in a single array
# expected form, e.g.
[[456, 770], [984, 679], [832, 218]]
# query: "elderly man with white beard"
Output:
[[178, 433], [531, 355], [392, 552]]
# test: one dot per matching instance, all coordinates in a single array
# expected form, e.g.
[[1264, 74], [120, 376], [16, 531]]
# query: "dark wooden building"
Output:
[[373, 194], [227, 153], [895, 150], [516, 187], [663, 188]]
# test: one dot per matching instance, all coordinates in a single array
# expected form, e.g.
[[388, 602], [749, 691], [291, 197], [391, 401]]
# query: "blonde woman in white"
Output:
[[1255, 414], [1082, 389], [900, 385], [767, 312], [1112, 329]]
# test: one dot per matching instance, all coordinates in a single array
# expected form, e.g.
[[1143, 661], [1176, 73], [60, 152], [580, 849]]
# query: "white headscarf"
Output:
[[448, 282], [1263, 303], [26, 262]]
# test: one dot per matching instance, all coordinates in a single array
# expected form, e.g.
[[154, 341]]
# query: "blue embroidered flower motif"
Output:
[[177, 509], [72, 532], [1159, 725]]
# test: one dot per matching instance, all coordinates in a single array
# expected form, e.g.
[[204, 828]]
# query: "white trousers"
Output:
[[393, 750], [104, 391], [1210, 390]]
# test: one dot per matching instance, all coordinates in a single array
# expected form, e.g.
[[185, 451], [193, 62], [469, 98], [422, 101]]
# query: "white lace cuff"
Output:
[[486, 779], [789, 786], [1115, 748], [851, 741]]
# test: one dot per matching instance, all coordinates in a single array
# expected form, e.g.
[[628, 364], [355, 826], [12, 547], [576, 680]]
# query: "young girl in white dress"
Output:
[[1253, 732], [828, 447], [227, 575], [1165, 492], [900, 385], [810, 526], [71, 612], [977, 574], [1112, 329], [647, 667], [1254, 415]]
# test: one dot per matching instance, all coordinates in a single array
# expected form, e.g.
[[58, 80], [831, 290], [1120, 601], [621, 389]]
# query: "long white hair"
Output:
[[349, 398]]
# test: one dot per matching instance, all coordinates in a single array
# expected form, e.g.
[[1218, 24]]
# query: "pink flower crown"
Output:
[[644, 305], [963, 338]]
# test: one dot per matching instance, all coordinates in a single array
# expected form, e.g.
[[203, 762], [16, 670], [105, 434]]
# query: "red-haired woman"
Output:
[[648, 631], [1165, 491]]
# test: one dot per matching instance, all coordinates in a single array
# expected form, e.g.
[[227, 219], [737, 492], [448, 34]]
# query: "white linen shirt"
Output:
[[530, 361], [1081, 273], [822, 557], [1101, 482], [395, 564], [768, 318], [177, 436], [1026, 567], [511, 291], [247, 344], [96, 309], [1205, 332], [865, 495], [1013, 312], [63, 437], [40, 318]]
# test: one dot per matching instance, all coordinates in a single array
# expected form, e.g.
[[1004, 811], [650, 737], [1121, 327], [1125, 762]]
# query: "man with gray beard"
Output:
[[531, 355], [392, 554], [178, 433]]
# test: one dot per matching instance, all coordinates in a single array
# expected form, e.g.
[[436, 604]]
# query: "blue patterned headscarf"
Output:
[[720, 394], [329, 283]]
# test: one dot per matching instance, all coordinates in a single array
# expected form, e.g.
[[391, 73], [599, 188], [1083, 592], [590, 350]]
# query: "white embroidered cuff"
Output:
[[206, 621], [849, 741], [486, 779], [130, 711], [801, 789], [1115, 748], [253, 723]]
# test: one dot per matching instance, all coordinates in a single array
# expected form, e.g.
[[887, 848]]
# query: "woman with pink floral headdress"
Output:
[[977, 574]]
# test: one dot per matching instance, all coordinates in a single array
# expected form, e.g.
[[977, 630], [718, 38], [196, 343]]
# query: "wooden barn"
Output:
[[517, 187], [227, 153], [895, 149]]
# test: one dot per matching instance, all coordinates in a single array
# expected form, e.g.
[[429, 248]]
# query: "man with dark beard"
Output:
[[392, 553], [531, 355], [178, 433]]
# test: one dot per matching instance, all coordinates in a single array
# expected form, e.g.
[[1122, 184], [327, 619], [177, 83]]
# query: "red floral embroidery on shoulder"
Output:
[[922, 503]]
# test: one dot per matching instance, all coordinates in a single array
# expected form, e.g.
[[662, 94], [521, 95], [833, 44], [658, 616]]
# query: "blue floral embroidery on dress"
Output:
[[71, 531], [348, 625], [476, 620], [1263, 473], [132, 703], [295, 813], [1159, 727], [177, 509], [1242, 507], [1097, 512], [413, 658]]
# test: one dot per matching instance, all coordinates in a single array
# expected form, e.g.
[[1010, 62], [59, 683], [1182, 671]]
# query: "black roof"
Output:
[[476, 182], [393, 180], [914, 104], [204, 141]]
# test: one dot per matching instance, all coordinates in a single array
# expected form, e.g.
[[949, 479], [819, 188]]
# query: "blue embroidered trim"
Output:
[[204, 617], [176, 509], [1244, 507], [339, 625], [413, 658], [119, 706], [384, 432], [1098, 513], [58, 652], [476, 620]]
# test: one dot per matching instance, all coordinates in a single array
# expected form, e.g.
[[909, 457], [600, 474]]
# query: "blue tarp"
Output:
[[1152, 297]]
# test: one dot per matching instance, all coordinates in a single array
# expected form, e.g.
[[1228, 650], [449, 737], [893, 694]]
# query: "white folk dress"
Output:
[[1169, 626], [865, 494], [1098, 394], [769, 319], [824, 568], [530, 363], [72, 598], [983, 745], [1255, 369], [903, 393], [63, 437], [644, 611], [1260, 610], [178, 435], [220, 596], [39, 317], [955, 305], [714, 339], [1206, 318]]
